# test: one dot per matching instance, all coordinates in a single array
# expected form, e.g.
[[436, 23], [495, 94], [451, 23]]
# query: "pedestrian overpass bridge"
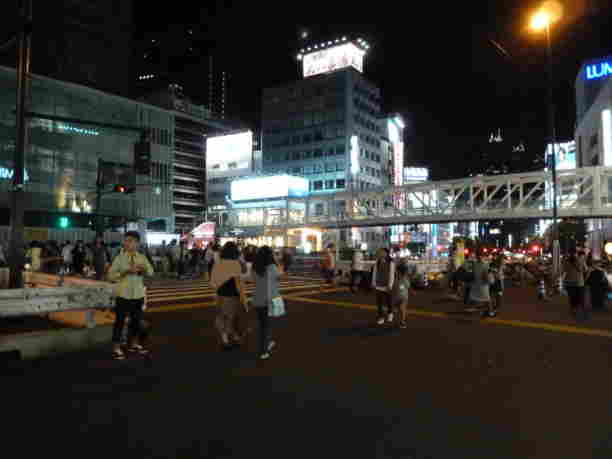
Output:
[[584, 193]]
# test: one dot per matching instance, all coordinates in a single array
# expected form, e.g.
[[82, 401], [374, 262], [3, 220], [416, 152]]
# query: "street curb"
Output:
[[35, 345]]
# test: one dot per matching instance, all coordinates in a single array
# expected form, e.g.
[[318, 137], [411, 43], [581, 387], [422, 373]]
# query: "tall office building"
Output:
[[193, 124], [328, 126], [83, 42]]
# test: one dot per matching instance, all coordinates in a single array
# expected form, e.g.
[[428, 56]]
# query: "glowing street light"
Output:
[[541, 20], [549, 13]]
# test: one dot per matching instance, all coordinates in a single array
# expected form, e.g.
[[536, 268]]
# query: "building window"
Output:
[[340, 166], [318, 168], [318, 136], [340, 183], [296, 156], [331, 152], [307, 154], [340, 150], [295, 140], [318, 153], [318, 185], [318, 209], [330, 167], [307, 138], [329, 184], [296, 170]]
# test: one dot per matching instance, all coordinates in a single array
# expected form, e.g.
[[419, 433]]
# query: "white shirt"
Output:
[[67, 253], [391, 277], [358, 261]]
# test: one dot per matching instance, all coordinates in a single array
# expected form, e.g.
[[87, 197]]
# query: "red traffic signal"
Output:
[[124, 189], [466, 252]]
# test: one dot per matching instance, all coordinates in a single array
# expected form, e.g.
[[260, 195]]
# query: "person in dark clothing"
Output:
[[598, 287], [287, 259], [78, 257], [101, 257]]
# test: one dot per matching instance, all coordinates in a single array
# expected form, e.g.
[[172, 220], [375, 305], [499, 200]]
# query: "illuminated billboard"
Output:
[[396, 136], [354, 154], [415, 174], [565, 153], [232, 151], [334, 58], [276, 186]]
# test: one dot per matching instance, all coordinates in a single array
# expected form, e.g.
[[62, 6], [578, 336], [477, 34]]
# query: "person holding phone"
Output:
[[128, 270]]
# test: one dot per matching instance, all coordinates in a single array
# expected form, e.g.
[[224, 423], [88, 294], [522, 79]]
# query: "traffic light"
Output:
[[63, 222], [142, 158], [124, 189]]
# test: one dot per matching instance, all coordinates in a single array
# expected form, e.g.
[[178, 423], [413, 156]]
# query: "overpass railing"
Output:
[[584, 192]]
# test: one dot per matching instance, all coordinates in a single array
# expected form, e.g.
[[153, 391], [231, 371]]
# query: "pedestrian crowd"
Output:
[[228, 268]]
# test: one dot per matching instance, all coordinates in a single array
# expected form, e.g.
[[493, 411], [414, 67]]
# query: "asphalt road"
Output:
[[337, 386]]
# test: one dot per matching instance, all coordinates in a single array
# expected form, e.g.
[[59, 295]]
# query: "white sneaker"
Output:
[[380, 321], [390, 318], [264, 356]]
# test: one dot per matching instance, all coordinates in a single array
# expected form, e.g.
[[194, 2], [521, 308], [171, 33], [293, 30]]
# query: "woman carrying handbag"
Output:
[[267, 300], [225, 279]]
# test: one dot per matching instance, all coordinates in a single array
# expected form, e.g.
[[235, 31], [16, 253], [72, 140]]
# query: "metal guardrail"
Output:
[[34, 301], [65, 299]]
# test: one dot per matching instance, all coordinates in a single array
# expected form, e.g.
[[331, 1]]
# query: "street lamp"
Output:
[[543, 19]]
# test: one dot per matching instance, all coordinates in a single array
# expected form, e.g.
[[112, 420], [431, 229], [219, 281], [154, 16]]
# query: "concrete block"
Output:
[[53, 342]]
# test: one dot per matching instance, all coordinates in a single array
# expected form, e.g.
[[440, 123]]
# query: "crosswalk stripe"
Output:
[[195, 284], [210, 293], [211, 289], [152, 291]]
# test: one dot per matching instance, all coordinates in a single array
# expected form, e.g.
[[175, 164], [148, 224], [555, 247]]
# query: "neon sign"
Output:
[[600, 70], [68, 128], [7, 174]]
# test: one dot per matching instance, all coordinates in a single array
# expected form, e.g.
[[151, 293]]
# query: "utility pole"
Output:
[[16, 256]]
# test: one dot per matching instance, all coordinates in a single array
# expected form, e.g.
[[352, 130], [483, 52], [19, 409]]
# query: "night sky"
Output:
[[433, 59]]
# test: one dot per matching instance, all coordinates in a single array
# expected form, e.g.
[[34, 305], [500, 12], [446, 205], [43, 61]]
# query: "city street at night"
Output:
[[337, 385]]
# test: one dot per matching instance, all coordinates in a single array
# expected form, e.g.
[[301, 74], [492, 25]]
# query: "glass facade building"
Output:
[[63, 151]]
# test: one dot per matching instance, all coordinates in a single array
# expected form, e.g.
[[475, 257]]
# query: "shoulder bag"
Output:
[[277, 304]]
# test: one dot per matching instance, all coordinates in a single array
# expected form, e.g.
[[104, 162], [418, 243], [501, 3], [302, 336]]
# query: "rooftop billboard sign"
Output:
[[329, 59]]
